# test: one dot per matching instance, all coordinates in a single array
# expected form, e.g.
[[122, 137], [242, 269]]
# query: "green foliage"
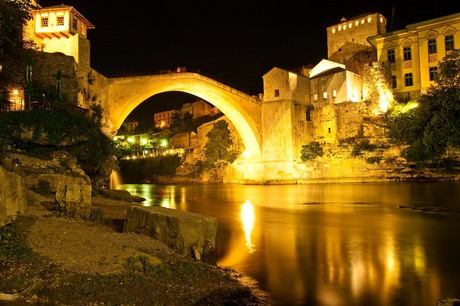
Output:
[[43, 187], [13, 15], [60, 129], [311, 151], [373, 159], [217, 150], [12, 243], [435, 124], [359, 147], [144, 169]]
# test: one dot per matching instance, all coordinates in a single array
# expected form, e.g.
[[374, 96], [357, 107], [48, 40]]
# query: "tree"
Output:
[[14, 14], [218, 150], [434, 125]]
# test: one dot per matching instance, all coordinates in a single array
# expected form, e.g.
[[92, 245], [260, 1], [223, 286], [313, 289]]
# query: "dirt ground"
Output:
[[76, 262]]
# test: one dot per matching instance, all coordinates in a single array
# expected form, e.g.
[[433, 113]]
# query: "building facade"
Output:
[[165, 119], [414, 52]]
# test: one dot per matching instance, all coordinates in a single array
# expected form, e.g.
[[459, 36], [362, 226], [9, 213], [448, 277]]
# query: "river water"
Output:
[[331, 244]]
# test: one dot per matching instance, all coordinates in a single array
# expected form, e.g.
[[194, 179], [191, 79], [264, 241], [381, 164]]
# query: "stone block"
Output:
[[12, 195], [190, 234]]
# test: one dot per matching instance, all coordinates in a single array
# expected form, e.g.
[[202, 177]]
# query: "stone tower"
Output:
[[354, 31]]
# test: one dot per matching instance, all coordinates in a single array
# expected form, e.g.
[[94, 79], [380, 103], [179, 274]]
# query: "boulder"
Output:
[[74, 199], [12, 195], [190, 234]]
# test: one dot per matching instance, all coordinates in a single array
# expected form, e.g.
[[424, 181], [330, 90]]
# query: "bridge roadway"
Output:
[[244, 111]]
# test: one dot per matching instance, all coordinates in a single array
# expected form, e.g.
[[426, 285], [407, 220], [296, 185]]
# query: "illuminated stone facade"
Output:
[[355, 30]]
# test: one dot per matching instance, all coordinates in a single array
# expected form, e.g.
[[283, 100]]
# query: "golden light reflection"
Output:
[[247, 218], [386, 98]]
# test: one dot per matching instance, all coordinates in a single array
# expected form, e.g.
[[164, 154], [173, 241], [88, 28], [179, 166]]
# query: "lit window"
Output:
[[362, 21], [60, 20], [449, 42], [340, 28], [315, 97], [432, 46], [407, 53], [394, 83], [391, 56], [277, 92], [334, 93], [333, 31], [356, 22], [408, 79], [369, 19], [345, 27], [433, 73], [350, 24], [325, 95], [44, 22]]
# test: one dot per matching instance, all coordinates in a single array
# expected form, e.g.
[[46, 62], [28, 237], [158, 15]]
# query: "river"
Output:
[[331, 244]]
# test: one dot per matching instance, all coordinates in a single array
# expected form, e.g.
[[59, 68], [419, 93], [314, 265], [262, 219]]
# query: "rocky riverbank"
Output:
[[77, 262]]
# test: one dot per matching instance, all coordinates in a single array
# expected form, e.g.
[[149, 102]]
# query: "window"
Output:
[[432, 46], [408, 79], [308, 113], [325, 95], [391, 56], [60, 20], [433, 73], [394, 84], [315, 97], [277, 92], [334, 93], [407, 54], [74, 23], [44, 22], [449, 41]]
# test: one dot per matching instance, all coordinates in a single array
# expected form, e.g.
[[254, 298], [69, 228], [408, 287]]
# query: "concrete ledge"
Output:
[[190, 234]]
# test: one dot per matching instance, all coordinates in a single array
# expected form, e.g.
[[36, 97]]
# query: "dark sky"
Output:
[[235, 42]]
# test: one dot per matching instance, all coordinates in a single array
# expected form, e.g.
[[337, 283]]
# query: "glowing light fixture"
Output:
[[130, 139]]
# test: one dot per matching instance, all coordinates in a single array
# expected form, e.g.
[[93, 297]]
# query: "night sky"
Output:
[[235, 42]]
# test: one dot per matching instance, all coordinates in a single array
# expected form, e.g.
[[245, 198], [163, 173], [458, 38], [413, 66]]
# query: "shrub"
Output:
[[311, 151], [359, 147], [12, 243]]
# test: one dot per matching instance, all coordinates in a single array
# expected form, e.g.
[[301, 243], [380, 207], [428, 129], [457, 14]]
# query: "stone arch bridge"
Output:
[[244, 111]]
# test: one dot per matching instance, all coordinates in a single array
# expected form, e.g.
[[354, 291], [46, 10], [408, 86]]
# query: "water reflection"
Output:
[[247, 218], [337, 244]]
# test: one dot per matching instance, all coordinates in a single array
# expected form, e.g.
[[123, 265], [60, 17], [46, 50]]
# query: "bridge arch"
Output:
[[244, 111]]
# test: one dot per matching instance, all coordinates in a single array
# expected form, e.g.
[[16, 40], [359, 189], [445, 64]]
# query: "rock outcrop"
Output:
[[190, 234], [12, 194], [74, 199]]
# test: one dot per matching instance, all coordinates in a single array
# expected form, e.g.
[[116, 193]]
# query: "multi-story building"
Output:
[[164, 119], [197, 109], [60, 28], [414, 52]]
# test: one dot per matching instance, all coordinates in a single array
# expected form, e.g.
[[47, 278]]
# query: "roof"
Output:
[[54, 8]]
